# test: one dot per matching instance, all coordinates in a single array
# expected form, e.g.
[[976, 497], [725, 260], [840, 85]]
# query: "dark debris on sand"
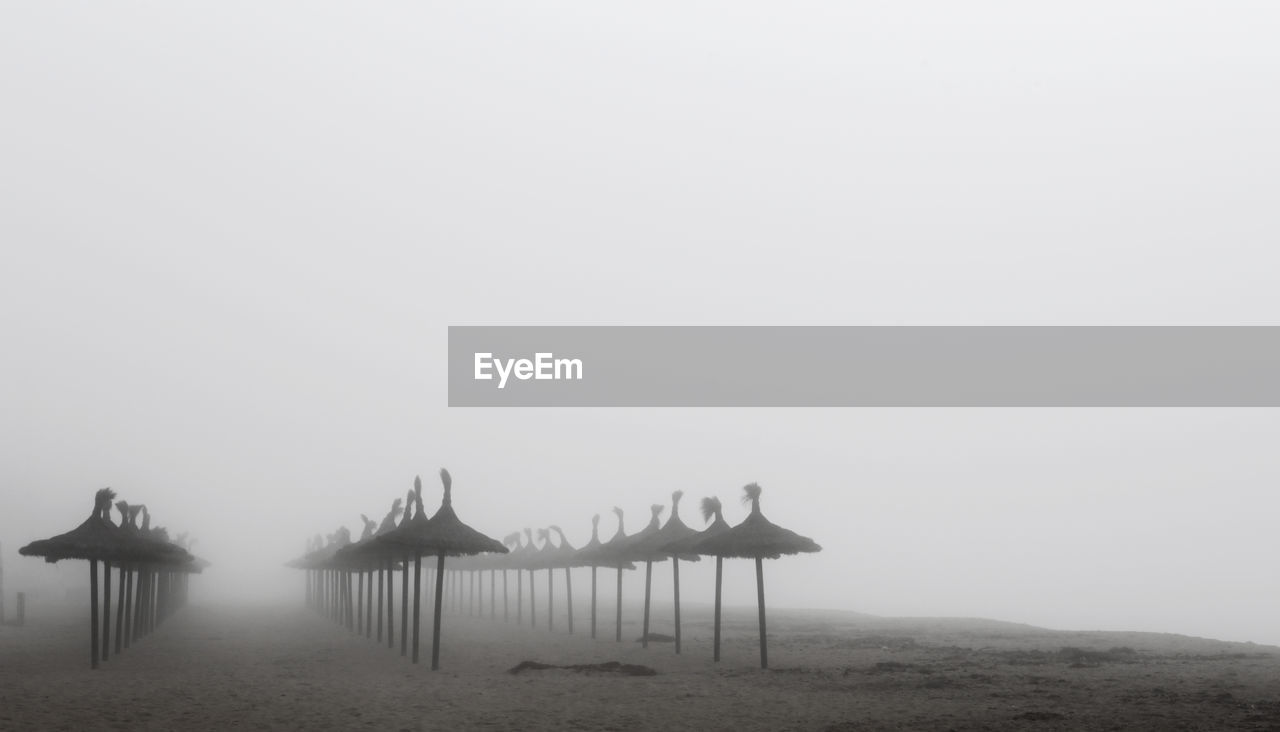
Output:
[[658, 638], [612, 667]]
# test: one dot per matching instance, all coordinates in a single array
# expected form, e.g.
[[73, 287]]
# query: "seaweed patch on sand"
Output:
[[612, 667]]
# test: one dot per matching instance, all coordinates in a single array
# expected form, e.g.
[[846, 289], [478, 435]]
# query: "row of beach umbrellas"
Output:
[[386, 548], [383, 549], [153, 571]]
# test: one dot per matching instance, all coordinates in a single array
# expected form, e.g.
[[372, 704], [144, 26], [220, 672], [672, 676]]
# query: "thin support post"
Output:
[[764, 648], [93, 613]]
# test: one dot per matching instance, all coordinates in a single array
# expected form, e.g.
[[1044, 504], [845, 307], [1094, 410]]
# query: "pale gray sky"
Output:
[[232, 238]]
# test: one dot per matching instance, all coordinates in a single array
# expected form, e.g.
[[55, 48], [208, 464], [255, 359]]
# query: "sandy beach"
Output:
[[281, 667]]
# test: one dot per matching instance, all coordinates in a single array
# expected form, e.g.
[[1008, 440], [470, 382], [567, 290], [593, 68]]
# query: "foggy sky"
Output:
[[232, 238]]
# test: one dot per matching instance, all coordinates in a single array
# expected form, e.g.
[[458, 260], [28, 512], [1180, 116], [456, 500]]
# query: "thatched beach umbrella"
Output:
[[405, 540], [512, 542], [610, 554], [547, 559], [352, 556], [531, 560], [657, 545], [516, 559], [197, 565], [128, 517], [333, 563], [414, 499], [389, 559], [639, 548], [567, 557], [95, 539], [449, 536], [124, 600], [711, 511], [583, 557], [307, 563], [361, 558], [376, 552], [756, 538], [444, 534]]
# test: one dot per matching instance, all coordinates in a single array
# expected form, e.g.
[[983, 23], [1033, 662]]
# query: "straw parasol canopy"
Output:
[[565, 554], [658, 544], [548, 554], [353, 556], [637, 547], [445, 533], [97, 538], [712, 512], [755, 538]]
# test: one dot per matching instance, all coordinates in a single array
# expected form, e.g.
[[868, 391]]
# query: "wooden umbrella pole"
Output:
[[764, 649], [404, 606], [648, 583], [139, 607], [568, 589], [519, 597], [368, 606], [120, 609], [719, 576], [106, 610], [360, 603], [675, 574], [93, 613], [533, 606], [391, 600], [381, 572], [128, 607], [593, 601], [551, 602], [506, 612], [417, 597], [435, 630], [493, 596], [618, 632], [351, 614], [153, 584]]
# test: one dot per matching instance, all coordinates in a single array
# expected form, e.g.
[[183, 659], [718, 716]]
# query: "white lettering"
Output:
[[572, 368], [543, 366], [483, 362], [524, 369]]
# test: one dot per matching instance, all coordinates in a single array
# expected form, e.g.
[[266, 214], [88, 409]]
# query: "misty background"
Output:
[[232, 237]]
